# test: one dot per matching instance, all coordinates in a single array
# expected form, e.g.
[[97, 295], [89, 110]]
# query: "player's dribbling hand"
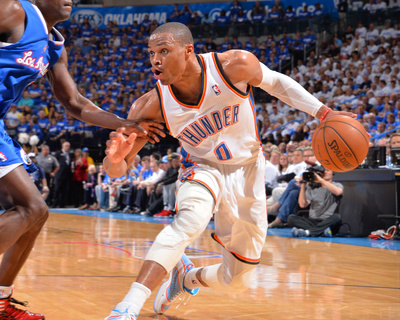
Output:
[[150, 130], [118, 146], [334, 113]]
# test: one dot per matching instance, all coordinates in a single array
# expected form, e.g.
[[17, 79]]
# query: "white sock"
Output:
[[5, 292], [134, 299], [191, 281]]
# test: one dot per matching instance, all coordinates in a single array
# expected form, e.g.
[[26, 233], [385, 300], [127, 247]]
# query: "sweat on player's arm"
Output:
[[121, 150]]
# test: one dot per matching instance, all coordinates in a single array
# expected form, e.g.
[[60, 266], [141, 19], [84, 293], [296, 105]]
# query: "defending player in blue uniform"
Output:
[[30, 48]]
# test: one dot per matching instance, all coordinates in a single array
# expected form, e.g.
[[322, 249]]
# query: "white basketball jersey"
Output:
[[220, 127]]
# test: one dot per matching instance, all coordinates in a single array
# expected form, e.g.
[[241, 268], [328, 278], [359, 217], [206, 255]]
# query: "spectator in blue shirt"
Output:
[[185, 14], [198, 45], [258, 15], [318, 10], [274, 14], [234, 10], [146, 23], [225, 44], [304, 14], [309, 38], [35, 129], [174, 15], [35, 92], [290, 14], [24, 126], [222, 23]]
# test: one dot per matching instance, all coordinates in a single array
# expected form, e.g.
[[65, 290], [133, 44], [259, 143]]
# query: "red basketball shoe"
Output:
[[10, 312]]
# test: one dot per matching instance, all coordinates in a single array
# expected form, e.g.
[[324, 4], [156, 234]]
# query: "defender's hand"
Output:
[[118, 146], [150, 130]]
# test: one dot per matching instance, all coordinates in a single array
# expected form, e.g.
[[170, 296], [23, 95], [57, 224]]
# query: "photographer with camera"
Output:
[[318, 191]]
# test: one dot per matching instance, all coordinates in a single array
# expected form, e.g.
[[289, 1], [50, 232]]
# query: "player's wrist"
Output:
[[323, 112]]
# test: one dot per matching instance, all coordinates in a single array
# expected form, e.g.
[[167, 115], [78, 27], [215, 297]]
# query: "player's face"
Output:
[[54, 10], [168, 58]]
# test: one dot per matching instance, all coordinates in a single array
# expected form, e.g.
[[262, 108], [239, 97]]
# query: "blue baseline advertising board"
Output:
[[125, 16]]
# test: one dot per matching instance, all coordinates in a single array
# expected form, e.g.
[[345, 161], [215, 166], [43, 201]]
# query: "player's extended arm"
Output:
[[121, 151], [83, 109], [245, 67]]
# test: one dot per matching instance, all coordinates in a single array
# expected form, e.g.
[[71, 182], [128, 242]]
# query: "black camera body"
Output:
[[309, 174]]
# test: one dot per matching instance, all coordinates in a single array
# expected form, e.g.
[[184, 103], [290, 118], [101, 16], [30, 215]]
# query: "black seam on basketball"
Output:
[[349, 125], [326, 148], [345, 144]]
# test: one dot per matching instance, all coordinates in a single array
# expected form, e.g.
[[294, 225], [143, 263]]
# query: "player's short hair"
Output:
[[180, 32]]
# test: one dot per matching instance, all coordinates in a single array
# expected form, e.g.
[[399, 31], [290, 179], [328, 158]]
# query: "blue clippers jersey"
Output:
[[23, 62]]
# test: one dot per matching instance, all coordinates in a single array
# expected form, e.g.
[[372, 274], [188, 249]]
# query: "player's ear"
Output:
[[189, 49]]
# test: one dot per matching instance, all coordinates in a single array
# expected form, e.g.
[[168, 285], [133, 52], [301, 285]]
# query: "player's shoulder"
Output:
[[238, 62], [12, 14], [238, 65], [239, 57]]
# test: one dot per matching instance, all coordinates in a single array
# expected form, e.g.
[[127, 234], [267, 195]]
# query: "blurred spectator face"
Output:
[[92, 169], [297, 156], [381, 127], [66, 146], [282, 147], [42, 114], [153, 166], [101, 170], [175, 162], [395, 141], [290, 157], [45, 151], [146, 164], [136, 161], [283, 160], [78, 153], [274, 157]]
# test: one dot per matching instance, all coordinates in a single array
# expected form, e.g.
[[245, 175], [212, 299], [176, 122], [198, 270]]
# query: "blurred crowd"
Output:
[[356, 70]]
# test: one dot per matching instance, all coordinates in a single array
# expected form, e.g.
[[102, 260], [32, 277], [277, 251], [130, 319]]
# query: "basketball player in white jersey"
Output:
[[206, 102]]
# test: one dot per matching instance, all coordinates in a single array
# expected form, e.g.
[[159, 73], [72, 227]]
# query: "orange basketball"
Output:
[[340, 143]]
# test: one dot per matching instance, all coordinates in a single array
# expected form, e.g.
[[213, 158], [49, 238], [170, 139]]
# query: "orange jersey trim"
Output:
[[163, 113], [225, 79], [203, 91], [236, 255], [253, 109]]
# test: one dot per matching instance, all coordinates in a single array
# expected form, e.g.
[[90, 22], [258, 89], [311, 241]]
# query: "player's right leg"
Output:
[[195, 207], [25, 214]]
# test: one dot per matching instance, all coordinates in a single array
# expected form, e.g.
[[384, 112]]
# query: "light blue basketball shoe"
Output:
[[121, 315], [173, 288]]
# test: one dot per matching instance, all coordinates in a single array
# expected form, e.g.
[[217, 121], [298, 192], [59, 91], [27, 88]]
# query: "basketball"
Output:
[[340, 143]]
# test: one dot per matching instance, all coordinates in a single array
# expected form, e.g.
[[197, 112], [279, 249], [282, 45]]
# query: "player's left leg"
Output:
[[232, 275], [20, 224]]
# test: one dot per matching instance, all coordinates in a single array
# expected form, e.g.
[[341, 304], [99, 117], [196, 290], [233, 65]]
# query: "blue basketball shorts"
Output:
[[12, 155]]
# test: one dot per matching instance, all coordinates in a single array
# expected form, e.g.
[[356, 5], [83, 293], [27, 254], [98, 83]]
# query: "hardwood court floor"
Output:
[[82, 266]]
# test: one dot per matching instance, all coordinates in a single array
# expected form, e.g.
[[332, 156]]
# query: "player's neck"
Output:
[[188, 87]]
